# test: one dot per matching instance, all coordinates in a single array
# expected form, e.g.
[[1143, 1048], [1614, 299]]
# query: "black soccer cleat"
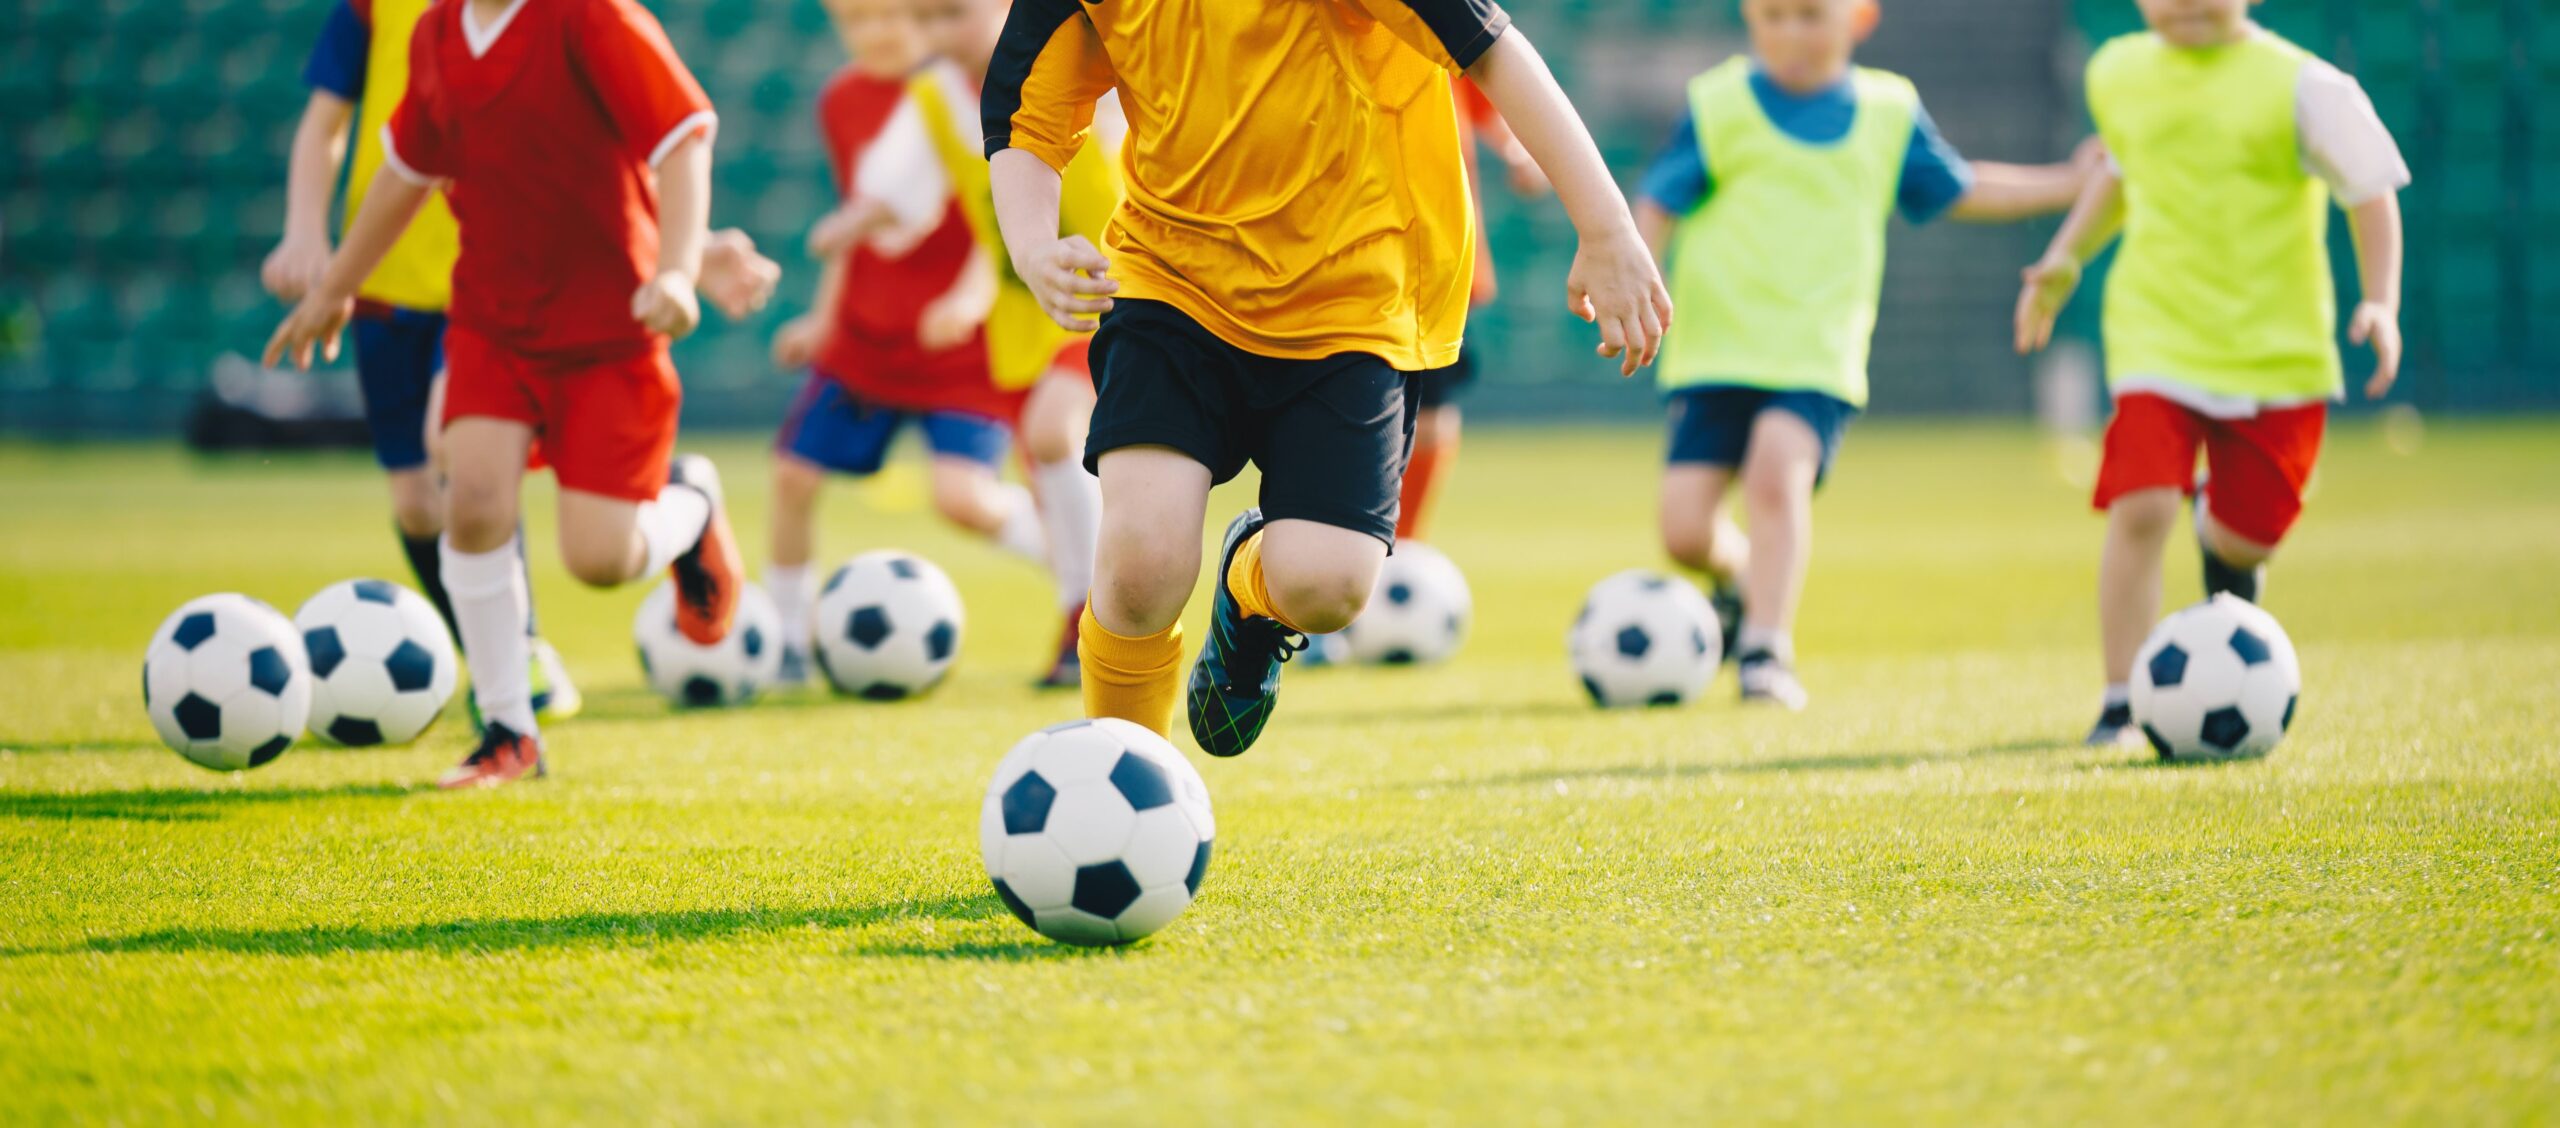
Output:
[[1236, 679], [1727, 602], [1768, 681], [2114, 728]]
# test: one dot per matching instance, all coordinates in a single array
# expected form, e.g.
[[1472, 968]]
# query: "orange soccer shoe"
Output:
[[708, 575], [504, 756]]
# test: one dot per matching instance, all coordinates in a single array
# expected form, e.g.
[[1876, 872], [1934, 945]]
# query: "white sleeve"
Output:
[[900, 169], [2344, 142]]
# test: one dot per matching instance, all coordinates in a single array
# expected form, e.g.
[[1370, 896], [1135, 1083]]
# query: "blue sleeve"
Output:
[[337, 60], [1677, 178], [1934, 174]]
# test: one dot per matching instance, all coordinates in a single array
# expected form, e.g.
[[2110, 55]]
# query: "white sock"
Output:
[[788, 584], [1071, 508], [671, 525], [490, 604], [1779, 644], [1020, 533], [2118, 693]]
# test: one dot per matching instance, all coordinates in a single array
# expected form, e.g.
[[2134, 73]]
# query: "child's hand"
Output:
[[665, 304], [2378, 325], [317, 319], [1072, 280], [796, 344], [2090, 158], [735, 277], [295, 266], [839, 230], [1615, 285], [2047, 288], [947, 321]]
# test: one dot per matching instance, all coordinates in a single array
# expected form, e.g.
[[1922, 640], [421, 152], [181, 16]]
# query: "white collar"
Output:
[[480, 39]]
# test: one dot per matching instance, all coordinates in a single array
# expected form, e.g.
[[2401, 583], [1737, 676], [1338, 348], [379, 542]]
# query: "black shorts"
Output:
[[1440, 386], [1711, 423], [1330, 435]]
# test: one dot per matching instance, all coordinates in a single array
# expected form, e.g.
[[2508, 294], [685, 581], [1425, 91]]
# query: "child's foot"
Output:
[[794, 669], [1237, 676], [1727, 602], [2114, 727], [1768, 681], [1065, 672], [708, 575], [555, 697], [504, 755]]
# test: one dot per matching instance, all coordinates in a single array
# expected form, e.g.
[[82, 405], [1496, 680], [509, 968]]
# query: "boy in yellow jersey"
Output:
[[1297, 238], [1772, 199], [2228, 144], [356, 72]]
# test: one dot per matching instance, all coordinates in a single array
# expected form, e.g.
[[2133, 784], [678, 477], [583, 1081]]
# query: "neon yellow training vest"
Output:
[[1021, 340], [2222, 283], [1776, 277], [418, 272]]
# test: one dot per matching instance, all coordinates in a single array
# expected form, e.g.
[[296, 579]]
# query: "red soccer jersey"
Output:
[[544, 126], [871, 346]]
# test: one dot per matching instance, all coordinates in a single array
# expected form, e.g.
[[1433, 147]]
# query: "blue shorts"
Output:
[[1711, 424], [833, 428], [398, 353]]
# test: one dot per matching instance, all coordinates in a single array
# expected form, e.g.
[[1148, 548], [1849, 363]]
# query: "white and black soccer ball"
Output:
[[2216, 681], [888, 626], [703, 677], [226, 683], [1645, 638], [1096, 832], [1418, 613], [382, 663]]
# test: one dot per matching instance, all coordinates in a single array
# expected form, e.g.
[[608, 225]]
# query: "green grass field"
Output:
[[1453, 895]]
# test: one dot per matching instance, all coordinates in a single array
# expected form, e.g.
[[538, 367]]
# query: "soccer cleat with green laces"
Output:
[[1236, 679]]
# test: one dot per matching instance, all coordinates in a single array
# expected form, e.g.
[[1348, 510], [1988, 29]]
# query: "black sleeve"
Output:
[[1466, 28], [1027, 31]]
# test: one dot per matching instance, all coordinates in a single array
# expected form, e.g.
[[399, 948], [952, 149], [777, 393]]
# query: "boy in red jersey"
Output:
[[575, 151], [895, 333]]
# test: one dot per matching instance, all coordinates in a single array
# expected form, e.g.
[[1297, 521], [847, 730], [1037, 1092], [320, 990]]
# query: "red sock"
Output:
[[1422, 475]]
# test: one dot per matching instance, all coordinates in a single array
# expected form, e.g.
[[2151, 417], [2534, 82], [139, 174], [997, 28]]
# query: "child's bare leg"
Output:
[[796, 482], [2139, 525], [967, 493], [2232, 563], [1055, 420], [483, 572], [1696, 530], [1319, 576], [1153, 502], [1777, 495]]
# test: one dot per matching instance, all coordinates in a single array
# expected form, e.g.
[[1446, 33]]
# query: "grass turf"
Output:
[[1455, 894]]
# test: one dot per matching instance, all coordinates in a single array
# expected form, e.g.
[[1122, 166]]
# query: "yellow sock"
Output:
[[1244, 581], [1134, 679]]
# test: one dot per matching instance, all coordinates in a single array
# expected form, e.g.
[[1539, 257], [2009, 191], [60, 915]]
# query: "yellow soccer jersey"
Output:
[[363, 56], [1293, 171]]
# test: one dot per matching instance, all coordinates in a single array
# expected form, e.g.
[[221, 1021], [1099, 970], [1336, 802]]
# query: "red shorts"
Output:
[[2257, 467], [1074, 358], [605, 427]]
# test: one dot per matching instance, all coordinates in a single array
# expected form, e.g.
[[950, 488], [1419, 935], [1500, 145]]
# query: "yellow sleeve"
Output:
[[1048, 70]]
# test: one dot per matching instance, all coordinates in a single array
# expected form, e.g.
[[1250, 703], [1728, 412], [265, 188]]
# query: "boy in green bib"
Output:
[[2228, 144], [1772, 200]]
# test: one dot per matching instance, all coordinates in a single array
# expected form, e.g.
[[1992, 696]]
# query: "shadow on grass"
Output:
[[1454, 711], [83, 747], [178, 804], [1011, 951], [643, 704], [459, 937], [1843, 762]]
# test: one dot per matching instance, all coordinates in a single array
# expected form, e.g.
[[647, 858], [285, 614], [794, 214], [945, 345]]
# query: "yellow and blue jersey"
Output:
[[363, 57], [1934, 176]]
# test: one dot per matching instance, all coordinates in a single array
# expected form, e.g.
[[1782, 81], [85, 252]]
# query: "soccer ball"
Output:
[[2216, 681], [888, 625], [382, 664], [1096, 832], [226, 683], [731, 672], [1418, 613], [1644, 638]]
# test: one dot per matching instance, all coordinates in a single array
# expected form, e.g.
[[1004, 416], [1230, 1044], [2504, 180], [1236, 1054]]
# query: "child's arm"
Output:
[[735, 276], [796, 344], [2047, 287], [2376, 226], [389, 204], [948, 320], [666, 302], [319, 148], [1614, 282], [2005, 192], [1066, 273]]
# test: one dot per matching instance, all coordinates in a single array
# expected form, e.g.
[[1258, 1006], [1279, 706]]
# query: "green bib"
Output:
[[2222, 283], [1775, 278]]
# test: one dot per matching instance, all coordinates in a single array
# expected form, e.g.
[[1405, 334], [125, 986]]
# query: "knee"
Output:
[[1776, 490], [2146, 514], [479, 515], [596, 565], [416, 504], [962, 500], [2233, 549], [1146, 581], [1050, 440], [1322, 601], [1691, 540]]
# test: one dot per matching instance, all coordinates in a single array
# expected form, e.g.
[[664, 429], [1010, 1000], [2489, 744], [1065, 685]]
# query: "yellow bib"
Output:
[[418, 272]]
